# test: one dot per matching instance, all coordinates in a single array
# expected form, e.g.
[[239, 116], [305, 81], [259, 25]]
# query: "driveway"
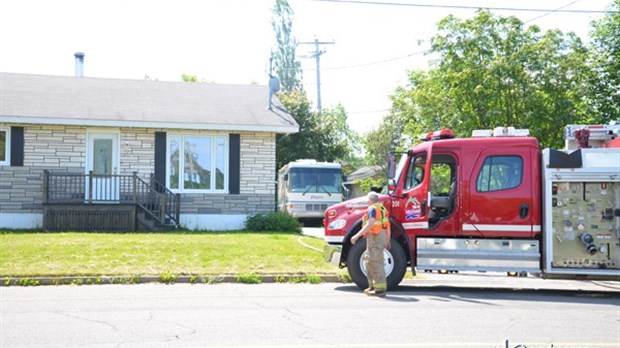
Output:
[[316, 232]]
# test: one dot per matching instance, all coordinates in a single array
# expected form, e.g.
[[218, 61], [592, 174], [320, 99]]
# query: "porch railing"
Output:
[[152, 197]]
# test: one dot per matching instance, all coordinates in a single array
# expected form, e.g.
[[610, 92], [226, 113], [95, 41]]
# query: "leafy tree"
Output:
[[491, 71], [333, 139], [323, 137], [604, 88], [287, 67], [378, 142], [301, 145]]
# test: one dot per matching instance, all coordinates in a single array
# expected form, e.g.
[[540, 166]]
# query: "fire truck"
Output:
[[494, 202]]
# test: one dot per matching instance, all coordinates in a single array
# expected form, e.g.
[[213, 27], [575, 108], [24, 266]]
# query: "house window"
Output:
[[500, 173], [197, 163], [5, 146]]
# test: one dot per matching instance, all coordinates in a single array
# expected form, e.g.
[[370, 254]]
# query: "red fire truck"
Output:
[[494, 202]]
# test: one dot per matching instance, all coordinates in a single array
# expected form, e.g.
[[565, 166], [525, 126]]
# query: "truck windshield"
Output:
[[315, 180]]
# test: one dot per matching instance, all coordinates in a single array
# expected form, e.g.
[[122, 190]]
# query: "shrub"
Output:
[[276, 221]]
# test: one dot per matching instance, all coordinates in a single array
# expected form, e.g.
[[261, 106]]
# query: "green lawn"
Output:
[[210, 253]]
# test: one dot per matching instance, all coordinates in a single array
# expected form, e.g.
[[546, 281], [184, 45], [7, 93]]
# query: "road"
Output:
[[301, 315]]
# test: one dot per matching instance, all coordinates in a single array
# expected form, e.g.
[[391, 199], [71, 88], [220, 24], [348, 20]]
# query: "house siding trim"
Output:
[[147, 124]]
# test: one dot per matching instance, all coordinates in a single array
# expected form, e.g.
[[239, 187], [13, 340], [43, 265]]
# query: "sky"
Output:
[[229, 41]]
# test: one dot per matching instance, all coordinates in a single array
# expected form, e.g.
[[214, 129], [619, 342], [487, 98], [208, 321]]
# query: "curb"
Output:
[[601, 288], [171, 279]]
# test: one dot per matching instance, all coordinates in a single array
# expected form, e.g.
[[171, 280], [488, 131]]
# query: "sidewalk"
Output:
[[500, 281], [493, 281]]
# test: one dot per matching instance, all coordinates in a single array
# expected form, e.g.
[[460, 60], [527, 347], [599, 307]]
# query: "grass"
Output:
[[164, 255]]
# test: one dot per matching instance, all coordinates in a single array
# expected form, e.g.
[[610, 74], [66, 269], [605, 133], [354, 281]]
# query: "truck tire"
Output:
[[395, 264]]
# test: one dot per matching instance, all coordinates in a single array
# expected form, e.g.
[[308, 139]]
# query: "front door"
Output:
[[412, 206], [102, 158]]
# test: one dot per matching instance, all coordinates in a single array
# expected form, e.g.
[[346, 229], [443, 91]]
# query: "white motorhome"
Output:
[[307, 187]]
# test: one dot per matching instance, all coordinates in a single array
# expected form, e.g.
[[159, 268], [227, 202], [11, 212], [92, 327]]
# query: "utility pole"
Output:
[[317, 55]]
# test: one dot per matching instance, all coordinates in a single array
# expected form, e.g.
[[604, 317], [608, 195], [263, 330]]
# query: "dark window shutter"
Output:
[[234, 163], [160, 157], [17, 146]]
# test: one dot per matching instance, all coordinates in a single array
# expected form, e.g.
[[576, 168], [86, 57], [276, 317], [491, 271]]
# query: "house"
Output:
[[80, 152], [352, 180]]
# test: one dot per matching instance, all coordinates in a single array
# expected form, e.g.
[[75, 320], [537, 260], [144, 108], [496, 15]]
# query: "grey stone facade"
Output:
[[63, 149]]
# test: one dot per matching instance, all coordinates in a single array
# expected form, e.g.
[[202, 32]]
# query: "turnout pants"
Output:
[[375, 245]]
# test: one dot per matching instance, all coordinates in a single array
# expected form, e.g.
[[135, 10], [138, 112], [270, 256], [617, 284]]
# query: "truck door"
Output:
[[411, 207], [500, 195]]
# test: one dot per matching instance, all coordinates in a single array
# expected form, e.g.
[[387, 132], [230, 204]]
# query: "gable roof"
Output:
[[87, 101], [363, 173]]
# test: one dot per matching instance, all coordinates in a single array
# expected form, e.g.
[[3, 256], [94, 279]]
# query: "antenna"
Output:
[[274, 84]]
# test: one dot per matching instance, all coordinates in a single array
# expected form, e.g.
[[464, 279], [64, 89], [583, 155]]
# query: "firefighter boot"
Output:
[[377, 293], [379, 290]]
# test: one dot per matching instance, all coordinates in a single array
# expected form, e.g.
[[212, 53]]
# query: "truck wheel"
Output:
[[395, 263]]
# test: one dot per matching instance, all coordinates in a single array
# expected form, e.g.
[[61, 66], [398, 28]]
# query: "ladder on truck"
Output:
[[584, 136]]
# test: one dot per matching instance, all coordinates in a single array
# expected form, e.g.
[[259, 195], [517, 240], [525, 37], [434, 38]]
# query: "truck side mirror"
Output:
[[286, 177], [391, 186], [391, 166], [346, 192]]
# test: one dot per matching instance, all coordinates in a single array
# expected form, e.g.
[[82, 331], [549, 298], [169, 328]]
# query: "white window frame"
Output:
[[213, 137], [7, 146]]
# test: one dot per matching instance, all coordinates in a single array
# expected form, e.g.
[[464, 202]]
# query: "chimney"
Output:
[[79, 64]]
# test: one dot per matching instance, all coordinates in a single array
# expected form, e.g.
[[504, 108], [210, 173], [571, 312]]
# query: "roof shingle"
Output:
[[47, 99]]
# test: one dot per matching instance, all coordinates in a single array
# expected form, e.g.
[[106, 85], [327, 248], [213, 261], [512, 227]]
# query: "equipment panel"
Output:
[[585, 224]]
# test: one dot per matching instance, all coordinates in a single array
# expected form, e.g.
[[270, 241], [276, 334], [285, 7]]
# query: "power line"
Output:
[[463, 7], [383, 61], [377, 62], [550, 12]]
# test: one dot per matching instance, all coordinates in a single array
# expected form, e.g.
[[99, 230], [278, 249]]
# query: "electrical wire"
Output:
[[377, 62], [383, 61], [462, 7], [550, 12]]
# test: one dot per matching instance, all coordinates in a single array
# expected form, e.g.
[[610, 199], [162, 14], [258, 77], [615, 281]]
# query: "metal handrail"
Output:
[[152, 197]]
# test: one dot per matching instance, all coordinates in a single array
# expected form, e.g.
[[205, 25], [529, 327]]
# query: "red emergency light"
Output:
[[436, 135]]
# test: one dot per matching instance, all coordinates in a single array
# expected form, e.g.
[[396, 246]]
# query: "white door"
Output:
[[102, 158]]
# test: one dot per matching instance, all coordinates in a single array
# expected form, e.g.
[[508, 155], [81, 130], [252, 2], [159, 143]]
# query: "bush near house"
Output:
[[276, 221]]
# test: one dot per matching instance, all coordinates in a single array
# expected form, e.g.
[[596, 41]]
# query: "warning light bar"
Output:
[[436, 135], [500, 132]]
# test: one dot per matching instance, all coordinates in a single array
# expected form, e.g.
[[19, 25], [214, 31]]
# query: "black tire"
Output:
[[399, 264]]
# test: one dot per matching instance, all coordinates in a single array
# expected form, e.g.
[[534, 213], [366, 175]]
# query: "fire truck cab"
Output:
[[494, 202]]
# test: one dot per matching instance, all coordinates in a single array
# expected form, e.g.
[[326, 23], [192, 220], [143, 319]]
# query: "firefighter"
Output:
[[376, 229]]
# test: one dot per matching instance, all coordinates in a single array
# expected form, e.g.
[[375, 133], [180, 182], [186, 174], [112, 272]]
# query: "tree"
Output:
[[301, 145], [333, 139], [491, 71], [604, 87], [379, 142], [324, 137], [287, 67]]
